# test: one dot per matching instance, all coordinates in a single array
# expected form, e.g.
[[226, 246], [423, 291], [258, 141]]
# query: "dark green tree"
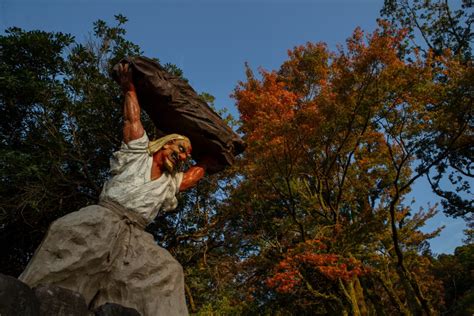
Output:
[[434, 27], [456, 273], [60, 120], [434, 24]]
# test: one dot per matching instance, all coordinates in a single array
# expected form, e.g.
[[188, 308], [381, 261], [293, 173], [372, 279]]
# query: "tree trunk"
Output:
[[350, 295], [360, 297], [387, 285]]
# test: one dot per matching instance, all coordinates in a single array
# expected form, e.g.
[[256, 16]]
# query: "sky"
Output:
[[211, 40]]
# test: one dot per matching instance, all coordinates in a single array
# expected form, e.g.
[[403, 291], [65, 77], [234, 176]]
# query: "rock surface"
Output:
[[55, 300], [111, 309], [16, 298]]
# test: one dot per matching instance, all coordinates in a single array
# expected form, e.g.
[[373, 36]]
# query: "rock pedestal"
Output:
[[16, 298], [55, 300], [111, 309]]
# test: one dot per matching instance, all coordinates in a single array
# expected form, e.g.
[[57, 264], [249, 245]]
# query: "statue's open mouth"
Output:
[[175, 157]]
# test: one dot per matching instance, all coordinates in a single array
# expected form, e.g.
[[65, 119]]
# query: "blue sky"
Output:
[[212, 39]]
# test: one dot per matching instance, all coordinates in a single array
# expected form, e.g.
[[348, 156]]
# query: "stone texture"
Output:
[[58, 301], [16, 298], [111, 309]]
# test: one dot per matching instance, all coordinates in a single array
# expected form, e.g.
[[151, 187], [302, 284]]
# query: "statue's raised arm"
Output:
[[168, 153], [132, 125]]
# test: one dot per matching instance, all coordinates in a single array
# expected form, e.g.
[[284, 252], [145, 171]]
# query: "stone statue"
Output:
[[102, 251]]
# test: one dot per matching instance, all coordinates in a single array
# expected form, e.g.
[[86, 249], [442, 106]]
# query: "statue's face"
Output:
[[176, 153]]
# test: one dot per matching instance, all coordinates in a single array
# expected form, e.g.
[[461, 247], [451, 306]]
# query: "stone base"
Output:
[[111, 309], [16, 298]]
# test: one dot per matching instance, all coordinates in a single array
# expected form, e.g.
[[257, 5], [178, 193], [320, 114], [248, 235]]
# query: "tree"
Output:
[[438, 25], [60, 122], [32, 100], [434, 27], [335, 140], [456, 273]]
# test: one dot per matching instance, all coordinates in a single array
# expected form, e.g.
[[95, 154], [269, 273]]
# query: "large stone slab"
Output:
[[16, 298], [58, 301], [175, 107], [111, 309]]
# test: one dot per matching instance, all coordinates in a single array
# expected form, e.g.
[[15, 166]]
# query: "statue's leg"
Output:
[[75, 252], [146, 278]]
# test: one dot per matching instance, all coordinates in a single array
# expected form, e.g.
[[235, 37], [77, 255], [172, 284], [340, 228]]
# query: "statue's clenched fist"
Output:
[[125, 77]]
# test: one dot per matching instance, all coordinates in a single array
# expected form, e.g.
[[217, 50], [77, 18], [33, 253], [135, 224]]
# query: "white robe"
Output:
[[131, 187]]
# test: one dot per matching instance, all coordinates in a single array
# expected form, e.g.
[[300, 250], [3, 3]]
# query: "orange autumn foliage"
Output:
[[335, 142], [311, 255]]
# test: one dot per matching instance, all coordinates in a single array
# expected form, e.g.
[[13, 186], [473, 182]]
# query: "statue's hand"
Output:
[[125, 77]]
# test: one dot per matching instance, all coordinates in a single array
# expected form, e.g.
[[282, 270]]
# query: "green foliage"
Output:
[[33, 99], [456, 273], [439, 25], [174, 70], [435, 27], [60, 122], [223, 112]]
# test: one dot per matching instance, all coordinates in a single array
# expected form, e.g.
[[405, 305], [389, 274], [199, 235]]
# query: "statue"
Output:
[[102, 251]]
